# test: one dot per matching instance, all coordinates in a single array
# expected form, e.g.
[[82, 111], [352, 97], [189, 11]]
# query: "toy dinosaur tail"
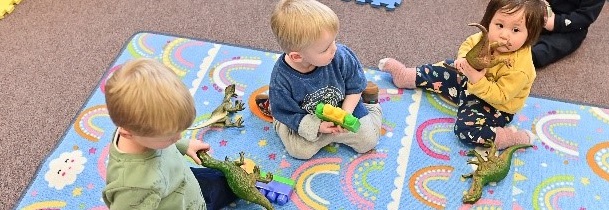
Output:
[[481, 27], [508, 152], [264, 202]]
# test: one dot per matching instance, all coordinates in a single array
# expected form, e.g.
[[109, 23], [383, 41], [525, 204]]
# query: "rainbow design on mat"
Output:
[[425, 137], [545, 130], [547, 194], [200, 133], [442, 104], [220, 74], [419, 188], [356, 185], [51, 204], [102, 160], [598, 159], [303, 196], [173, 55], [84, 123], [139, 47], [601, 114], [102, 86]]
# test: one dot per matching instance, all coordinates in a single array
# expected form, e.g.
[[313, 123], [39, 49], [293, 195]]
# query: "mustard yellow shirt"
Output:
[[505, 88]]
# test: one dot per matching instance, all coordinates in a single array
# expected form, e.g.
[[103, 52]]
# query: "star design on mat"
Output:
[[77, 192], [262, 142], [462, 152], [585, 181], [272, 156], [34, 193], [90, 186], [223, 143], [284, 163], [92, 150]]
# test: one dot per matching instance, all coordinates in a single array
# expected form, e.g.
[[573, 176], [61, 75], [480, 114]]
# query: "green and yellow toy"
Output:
[[338, 116]]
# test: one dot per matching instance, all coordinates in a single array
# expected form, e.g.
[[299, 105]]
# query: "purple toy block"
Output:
[[276, 192]]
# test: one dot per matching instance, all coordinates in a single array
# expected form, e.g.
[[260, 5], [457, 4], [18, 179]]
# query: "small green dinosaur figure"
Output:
[[219, 117], [239, 181], [494, 169], [481, 55]]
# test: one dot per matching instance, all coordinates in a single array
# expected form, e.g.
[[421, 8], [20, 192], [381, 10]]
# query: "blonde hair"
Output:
[[298, 23], [148, 99]]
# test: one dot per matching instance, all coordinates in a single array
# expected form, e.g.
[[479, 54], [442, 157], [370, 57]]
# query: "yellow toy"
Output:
[[7, 6]]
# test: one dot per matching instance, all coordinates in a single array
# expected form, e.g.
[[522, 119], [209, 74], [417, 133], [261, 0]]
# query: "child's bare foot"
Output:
[[402, 77]]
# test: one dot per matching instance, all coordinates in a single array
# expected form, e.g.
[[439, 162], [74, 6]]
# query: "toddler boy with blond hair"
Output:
[[314, 69], [146, 170]]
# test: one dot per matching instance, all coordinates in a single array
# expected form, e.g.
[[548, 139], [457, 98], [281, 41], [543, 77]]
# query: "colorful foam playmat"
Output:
[[418, 163]]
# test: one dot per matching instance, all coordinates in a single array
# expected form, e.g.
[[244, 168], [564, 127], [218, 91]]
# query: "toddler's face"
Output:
[[509, 29], [320, 52], [157, 142]]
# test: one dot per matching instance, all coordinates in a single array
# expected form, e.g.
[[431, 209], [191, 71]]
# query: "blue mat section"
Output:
[[418, 164], [388, 4]]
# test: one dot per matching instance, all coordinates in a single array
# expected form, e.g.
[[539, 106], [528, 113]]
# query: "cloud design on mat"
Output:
[[64, 170]]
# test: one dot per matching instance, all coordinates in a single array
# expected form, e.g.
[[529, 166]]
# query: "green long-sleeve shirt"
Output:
[[159, 179]]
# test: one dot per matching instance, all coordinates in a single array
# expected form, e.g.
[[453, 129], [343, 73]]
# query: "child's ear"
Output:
[[295, 56], [124, 133]]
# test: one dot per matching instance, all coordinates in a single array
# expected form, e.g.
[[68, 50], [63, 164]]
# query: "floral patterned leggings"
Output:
[[476, 119]]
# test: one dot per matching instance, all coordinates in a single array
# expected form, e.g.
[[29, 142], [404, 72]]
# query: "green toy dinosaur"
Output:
[[493, 169], [239, 181], [219, 117], [481, 55]]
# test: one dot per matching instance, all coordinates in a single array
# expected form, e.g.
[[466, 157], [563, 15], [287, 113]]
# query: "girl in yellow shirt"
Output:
[[487, 98]]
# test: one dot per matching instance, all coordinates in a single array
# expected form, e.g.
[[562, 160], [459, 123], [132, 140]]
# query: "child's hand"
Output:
[[329, 127], [472, 74], [194, 146], [549, 17]]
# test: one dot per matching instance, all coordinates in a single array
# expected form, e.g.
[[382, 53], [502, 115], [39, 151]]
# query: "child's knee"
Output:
[[300, 153], [367, 144], [463, 135]]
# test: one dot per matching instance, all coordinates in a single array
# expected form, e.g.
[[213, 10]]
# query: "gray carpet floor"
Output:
[[53, 53]]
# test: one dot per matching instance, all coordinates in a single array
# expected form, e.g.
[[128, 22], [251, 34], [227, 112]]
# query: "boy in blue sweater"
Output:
[[313, 69]]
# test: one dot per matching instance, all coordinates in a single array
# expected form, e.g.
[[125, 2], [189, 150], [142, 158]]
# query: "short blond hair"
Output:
[[298, 23], [149, 99]]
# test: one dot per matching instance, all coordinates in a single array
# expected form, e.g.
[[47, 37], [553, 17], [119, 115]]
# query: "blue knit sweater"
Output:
[[293, 94]]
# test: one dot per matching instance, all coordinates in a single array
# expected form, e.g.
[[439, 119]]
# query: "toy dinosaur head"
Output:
[[204, 157], [229, 91]]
